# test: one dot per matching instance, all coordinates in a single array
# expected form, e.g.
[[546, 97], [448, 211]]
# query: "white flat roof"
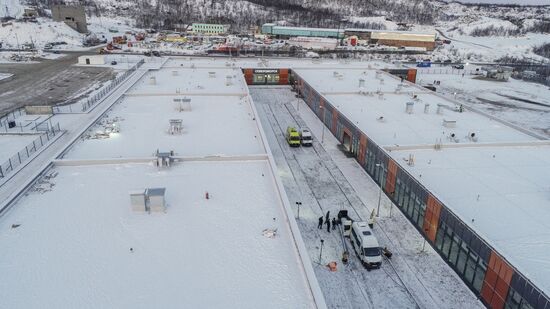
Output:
[[214, 126], [512, 211], [72, 248], [364, 107], [70, 245], [11, 144]]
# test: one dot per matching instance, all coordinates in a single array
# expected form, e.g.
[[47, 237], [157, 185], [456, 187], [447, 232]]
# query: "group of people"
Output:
[[326, 220]]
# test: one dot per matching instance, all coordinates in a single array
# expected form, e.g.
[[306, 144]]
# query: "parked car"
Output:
[[113, 62], [459, 67]]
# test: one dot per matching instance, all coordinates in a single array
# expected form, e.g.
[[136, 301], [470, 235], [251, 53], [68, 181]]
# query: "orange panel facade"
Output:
[[249, 76], [431, 217], [390, 179], [497, 282], [362, 149], [334, 121], [411, 75], [283, 77]]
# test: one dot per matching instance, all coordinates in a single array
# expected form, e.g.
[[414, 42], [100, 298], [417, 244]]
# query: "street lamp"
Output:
[[323, 123], [321, 251], [299, 204], [379, 166]]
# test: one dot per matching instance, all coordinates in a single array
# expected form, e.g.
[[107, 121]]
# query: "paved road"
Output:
[[48, 82]]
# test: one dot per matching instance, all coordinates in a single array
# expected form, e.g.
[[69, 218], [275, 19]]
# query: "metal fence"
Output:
[[24, 154], [103, 92], [10, 116]]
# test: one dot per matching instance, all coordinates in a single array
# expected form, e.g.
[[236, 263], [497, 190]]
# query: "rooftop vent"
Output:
[[472, 136], [449, 123], [176, 126], [361, 83], [212, 74], [152, 80], [453, 138], [229, 80], [164, 159], [426, 108], [182, 104], [335, 74], [440, 109], [409, 109], [174, 73]]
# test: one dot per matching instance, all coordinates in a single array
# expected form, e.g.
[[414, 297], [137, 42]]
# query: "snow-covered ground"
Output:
[[11, 144]]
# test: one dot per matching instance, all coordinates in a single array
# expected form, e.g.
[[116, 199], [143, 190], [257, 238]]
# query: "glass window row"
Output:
[[466, 262]]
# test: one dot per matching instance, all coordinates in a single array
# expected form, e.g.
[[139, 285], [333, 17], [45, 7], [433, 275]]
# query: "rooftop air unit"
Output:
[[164, 159], [361, 83], [174, 73], [212, 74], [182, 104], [138, 200], [155, 198], [426, 108], [152, 80], [335, 74], [229, 80], [409, 109]]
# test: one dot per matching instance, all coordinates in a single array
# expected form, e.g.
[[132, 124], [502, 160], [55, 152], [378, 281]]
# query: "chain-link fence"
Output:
[[24, 154]]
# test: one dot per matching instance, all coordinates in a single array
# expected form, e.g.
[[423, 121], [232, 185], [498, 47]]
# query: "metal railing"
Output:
[[24, 154]]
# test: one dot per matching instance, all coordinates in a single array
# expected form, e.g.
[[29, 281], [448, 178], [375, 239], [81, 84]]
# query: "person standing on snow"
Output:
[[328, 225], [327, 217], [320, 226], [334, 223]]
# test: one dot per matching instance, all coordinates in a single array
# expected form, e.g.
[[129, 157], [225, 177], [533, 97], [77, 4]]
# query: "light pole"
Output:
[[379, 166], [299, 204], [323, 124], [321, 251]]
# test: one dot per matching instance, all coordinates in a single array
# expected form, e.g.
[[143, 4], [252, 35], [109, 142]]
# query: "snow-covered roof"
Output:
[[222, 179], [497, 183]]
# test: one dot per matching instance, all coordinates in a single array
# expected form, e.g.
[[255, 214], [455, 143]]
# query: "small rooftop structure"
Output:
[[176, 126]]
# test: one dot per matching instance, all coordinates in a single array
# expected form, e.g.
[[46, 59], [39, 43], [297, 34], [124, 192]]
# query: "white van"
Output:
[[306, 138], [366, 245]]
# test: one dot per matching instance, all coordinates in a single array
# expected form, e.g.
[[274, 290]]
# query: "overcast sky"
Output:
[[521, 2]]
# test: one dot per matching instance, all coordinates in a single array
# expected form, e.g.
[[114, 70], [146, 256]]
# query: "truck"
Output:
[[306, 137], [365, 245], [292, 137], [426, 63]]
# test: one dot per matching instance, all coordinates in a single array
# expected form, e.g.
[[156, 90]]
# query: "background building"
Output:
[[73, 16], [212, 29]]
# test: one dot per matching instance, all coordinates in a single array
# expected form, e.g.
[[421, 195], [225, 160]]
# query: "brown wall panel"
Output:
[[411, 75], [497, 282], [334, 121], [362, 149], [390, 179], [249, 76], [431, 217], [283, 77]]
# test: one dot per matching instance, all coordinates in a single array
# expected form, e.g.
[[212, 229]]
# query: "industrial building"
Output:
[[473, 185], [381, 37], [395, 38], [288, 32], [210, 29], [154, 206], [72, 15]]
